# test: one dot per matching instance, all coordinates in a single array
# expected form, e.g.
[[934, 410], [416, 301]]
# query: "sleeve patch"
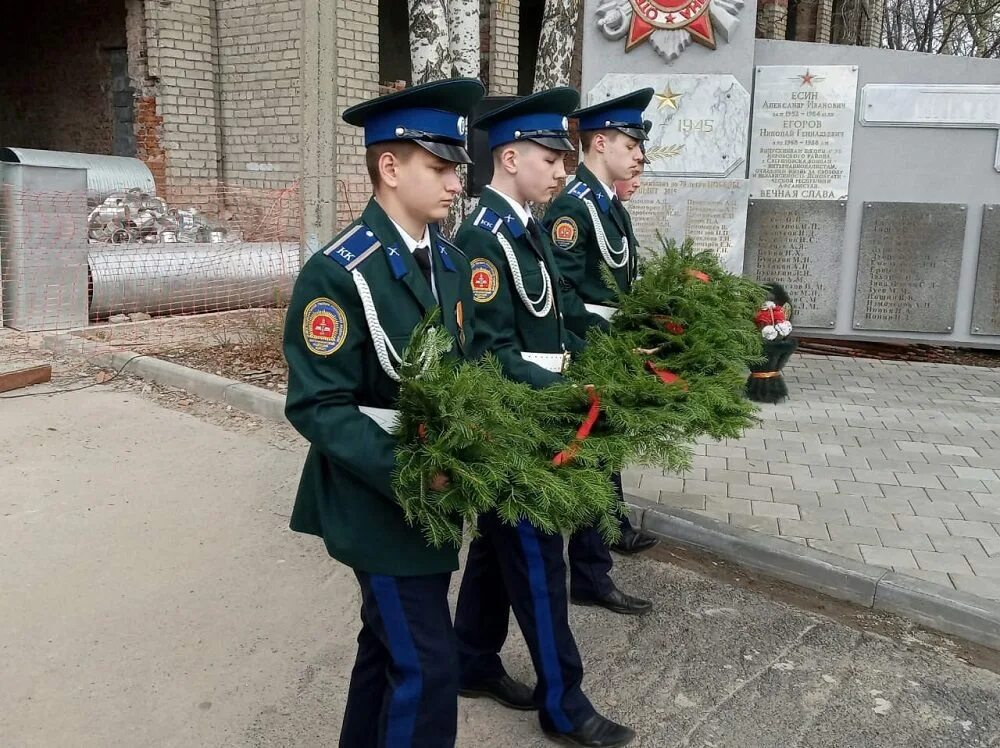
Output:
[[485, 280], [564, 232], [324, 326]]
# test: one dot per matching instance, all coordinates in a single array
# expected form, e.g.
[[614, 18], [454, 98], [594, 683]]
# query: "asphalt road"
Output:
[[153, 596]]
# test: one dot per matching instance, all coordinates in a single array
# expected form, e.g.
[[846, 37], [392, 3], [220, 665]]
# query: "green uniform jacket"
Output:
[[345, 494], [505, 324], [574, 240]]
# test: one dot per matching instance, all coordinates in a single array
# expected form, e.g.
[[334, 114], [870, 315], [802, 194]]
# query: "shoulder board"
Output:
[[579, 190], [353, 247], [488, 220]]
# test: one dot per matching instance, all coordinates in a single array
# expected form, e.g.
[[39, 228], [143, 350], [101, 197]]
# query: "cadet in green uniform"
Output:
[[353, 309], [590, 231], [523, 317]]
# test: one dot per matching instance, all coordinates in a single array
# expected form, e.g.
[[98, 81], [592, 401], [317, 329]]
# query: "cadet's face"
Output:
[[427, 185], [539, 171], [625, 188], [622, 155]]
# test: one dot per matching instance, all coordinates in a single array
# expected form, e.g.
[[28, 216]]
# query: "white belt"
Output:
[[554, 362], [386, 418], [605, 311]]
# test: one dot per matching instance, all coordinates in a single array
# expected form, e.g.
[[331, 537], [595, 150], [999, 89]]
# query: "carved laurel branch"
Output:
[[661, 152]]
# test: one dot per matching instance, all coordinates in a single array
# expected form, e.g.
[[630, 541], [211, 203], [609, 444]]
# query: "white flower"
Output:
[[769, 305], [784, 328], [769, 332]]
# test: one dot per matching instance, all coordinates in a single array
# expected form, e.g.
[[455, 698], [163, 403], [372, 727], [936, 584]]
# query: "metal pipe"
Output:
[[188, 278], [105, 174]]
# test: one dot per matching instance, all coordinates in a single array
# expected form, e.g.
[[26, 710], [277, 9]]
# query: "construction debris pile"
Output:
[[135, 216]]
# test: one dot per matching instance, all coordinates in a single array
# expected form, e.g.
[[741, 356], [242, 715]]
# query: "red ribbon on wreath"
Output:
[[666, 376], [698, 275], [769, 316], [583, 432]]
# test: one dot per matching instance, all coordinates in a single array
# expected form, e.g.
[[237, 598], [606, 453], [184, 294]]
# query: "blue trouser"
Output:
[[522, 568], [404, 686], [590, 558]]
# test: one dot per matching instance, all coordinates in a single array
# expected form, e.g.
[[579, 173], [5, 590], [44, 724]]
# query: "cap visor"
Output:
[[556, 144], [634, 132], [454, 153]]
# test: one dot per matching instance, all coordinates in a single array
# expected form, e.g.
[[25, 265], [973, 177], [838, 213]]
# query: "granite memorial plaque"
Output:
[[986, 303], [803, 131], [798, 243], [911, 254], [964, 105], [700, 122], [711, 212]]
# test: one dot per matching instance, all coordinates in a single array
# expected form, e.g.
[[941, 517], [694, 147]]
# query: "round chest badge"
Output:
[[485, 280], [324, 326], [564, 233]]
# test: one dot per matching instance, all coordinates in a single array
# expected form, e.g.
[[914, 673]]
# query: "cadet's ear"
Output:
[[388, 169], [508, 159], [600, 142]]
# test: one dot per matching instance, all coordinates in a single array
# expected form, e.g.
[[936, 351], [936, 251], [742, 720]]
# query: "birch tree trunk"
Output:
[[430, 57], [555, 46], [463, 20]]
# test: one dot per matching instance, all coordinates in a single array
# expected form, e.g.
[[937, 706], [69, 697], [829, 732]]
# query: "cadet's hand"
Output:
[[439, 482]]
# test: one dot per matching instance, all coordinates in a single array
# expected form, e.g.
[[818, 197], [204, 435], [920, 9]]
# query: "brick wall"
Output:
[[259, 61], [181, 58], [55, 74], [503, 47], [772, 17], [824, 21], [357, 78]]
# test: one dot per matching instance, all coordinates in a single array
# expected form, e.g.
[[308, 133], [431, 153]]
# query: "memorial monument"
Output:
[[864, 181]]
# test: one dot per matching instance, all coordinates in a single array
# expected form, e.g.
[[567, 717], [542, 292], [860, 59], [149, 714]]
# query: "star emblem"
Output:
[[667, 98], [808, 78], [685, 15]]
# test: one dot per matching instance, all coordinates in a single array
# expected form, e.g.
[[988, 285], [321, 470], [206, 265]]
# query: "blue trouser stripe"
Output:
[[406, 694], [543, 626]]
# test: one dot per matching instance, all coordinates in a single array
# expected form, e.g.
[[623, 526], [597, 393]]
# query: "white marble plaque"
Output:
[[700, 122], [802, 133], [926, 105], [711, 212]]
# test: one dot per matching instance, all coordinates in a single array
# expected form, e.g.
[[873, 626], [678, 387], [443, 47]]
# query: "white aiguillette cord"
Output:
[[532, 304], [602, 240]]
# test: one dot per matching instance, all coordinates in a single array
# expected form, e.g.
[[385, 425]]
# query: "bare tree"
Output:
[[444, 39], [957, 27], [430, 55], [555, 45], [463, 19]]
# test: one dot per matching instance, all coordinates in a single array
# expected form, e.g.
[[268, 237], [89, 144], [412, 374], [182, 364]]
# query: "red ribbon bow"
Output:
[[583, 432], [666, 376]]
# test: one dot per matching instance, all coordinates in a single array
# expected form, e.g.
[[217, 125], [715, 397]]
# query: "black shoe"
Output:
[[634, 541], [504, 690], [596, 732], [617, 602]]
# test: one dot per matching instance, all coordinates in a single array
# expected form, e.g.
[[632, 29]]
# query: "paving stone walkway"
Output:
[[895, 464]]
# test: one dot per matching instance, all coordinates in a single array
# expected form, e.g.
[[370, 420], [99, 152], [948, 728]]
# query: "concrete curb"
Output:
[[935, 606], [246, 397]]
